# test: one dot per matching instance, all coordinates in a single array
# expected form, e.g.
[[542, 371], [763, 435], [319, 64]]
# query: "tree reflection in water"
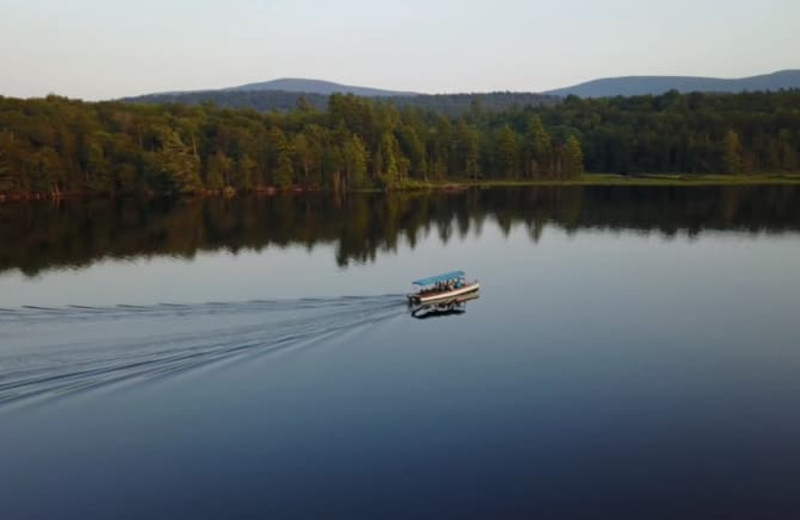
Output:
[[41, 236]]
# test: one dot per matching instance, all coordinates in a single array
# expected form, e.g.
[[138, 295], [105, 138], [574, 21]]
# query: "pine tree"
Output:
[[469, 149], [388, 173], [332, 163], [178, 162], [303, 155], [7, 178], [355, 162], [303, 105], [283, 174], [413, 148], [573, 157], [506, 152], [540, 148], [243, 172], [732, 153], [99, 174], [788, 151], [219, 172]]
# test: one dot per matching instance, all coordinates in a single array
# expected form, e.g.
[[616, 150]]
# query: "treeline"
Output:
[[284, 101], [259, 100], [58, 146], [756, 132]]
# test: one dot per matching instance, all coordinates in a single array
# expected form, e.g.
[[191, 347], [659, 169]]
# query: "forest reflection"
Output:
[[72, 234]]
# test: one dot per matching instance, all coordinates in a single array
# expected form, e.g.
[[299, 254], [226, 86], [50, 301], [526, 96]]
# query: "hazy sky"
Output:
[[97, 49]]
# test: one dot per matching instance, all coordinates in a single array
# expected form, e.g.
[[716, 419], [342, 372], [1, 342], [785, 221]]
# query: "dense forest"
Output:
[[284, 101], [56, 146]]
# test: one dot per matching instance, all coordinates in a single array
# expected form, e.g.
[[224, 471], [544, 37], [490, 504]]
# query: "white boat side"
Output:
[[468, 288]]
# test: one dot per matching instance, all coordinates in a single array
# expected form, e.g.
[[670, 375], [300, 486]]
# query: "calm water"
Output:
[[634, 353]]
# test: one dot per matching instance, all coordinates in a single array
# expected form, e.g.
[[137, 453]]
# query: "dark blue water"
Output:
[[608, 370]]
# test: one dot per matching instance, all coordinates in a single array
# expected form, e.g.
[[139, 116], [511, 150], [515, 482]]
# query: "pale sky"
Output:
[[100, 49]]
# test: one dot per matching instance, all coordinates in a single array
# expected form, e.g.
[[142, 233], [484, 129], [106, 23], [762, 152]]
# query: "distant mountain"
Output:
[[643, 85], [284, 94], [315, 86]]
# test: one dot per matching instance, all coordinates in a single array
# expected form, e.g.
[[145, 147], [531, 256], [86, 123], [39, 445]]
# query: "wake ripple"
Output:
[[50, 352]]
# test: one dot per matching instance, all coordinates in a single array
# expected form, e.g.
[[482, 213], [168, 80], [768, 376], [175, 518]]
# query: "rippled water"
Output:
[[633, 354], [49, 352]]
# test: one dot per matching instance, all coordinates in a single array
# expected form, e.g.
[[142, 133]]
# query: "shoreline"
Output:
[[590, 179], [611, 179]]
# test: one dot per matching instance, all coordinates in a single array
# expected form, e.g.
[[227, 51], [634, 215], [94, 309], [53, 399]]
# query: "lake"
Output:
[[634, 353]]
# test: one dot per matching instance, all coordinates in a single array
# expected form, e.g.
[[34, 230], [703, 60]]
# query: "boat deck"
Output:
[[431, 296]]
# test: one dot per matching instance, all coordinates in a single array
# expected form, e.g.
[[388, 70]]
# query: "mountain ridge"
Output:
[[633, 85], [284, 94], [653, 85], [317, 86]]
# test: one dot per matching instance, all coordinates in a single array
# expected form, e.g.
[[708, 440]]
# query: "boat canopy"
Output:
[[439, 278]]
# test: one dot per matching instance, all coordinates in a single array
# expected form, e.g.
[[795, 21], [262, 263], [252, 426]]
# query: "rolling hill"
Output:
[[315, 86], [643, 85], [284, 94]]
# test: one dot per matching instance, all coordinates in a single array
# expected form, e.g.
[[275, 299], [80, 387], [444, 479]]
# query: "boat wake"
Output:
[[48, 352]]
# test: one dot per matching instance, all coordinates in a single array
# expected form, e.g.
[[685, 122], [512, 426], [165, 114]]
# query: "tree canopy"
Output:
[[57, 146]]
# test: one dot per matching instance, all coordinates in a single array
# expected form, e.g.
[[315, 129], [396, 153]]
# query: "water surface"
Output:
[[633, 354]]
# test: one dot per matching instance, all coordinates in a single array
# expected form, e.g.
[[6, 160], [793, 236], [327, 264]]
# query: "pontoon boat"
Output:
[[442, 287]]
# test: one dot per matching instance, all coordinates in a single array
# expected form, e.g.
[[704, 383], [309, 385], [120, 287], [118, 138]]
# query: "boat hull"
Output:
[[445, 295]]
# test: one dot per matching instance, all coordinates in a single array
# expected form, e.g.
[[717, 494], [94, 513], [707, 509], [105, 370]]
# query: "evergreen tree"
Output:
[[355, 162], [788, 151], [177, 162], [219, 172], [540, 148], [412, 147], [244, 171], [284, 171], [468, 149], [332, 164], [283, 168], [388, 173], [303, 155], [7, 178], [506, 153], [732, 153], [303, 105], [573, 158]]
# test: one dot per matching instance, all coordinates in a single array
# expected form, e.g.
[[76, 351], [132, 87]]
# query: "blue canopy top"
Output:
[[439, 278]]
